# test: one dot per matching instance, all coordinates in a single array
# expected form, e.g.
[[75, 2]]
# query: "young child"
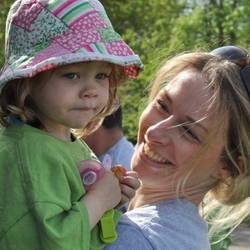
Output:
[[63, 64]]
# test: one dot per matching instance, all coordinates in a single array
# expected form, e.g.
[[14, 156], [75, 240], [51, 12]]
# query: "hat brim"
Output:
[[131, 65]]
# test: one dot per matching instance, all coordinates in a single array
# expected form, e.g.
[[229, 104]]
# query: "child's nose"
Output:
[[89, 89], [161, 132]]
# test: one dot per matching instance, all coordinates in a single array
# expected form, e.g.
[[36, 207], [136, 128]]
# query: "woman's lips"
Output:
[[151, 158], [154, 156]]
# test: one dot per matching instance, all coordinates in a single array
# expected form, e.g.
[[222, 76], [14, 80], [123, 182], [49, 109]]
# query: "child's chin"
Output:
[[78, 125]]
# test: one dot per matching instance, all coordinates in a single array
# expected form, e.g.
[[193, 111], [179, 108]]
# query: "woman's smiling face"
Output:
[[173, 128]]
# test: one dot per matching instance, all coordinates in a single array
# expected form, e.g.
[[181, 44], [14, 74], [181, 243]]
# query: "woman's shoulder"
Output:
[[130, 236], [168, 214], [167, 225]]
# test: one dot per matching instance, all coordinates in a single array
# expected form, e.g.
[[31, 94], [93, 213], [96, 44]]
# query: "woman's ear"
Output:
[[224, 171]]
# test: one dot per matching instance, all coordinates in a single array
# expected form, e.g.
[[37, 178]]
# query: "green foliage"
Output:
[[222, 245], [4, 7], [157, 29]]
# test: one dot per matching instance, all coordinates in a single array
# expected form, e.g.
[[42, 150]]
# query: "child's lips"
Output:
[[84, 109]]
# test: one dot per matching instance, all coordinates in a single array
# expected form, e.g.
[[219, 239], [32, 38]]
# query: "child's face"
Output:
[[71, 96]]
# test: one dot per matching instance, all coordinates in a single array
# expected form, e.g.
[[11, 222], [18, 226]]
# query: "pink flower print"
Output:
[[118, 48], [46, 68], [75, 40], [26, 15], [131, 71], [89, 21], [54, 50]]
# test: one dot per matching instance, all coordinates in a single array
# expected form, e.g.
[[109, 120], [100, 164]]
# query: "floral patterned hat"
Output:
[[43, 34]]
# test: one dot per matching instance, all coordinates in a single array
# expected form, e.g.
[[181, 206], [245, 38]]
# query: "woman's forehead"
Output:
[[189, 95], [188, 85]]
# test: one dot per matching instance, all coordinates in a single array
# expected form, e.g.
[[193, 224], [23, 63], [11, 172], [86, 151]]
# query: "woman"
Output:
[[193, 142]]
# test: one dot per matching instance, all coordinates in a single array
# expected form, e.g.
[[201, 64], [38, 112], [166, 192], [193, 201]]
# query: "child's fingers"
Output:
[[89, 164], [129, 185], [132, 182], [132, 173], [123, 201], [127, 193]]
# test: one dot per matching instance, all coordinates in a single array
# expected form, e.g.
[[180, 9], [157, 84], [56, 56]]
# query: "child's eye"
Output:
[[72, 76], [190, 133], [102, 76]]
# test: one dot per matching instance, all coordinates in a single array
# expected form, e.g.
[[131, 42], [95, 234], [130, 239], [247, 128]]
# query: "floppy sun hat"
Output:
[[43, 34]]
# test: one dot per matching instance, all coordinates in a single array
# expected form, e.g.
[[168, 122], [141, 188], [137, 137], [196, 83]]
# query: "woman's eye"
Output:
[[72, 76], [162, 105], [190, 133], [102, 76]]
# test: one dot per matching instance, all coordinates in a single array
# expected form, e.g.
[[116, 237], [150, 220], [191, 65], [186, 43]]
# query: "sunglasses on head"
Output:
[[240, 57]]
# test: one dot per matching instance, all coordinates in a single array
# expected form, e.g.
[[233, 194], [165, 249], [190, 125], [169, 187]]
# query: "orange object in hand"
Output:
[[119, 171]]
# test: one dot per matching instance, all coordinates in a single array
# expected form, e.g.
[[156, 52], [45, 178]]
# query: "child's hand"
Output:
[[100, 182], [129, 184], [102, 196], [108, 190]]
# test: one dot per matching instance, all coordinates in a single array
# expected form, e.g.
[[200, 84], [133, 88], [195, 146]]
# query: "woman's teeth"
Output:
[[153, 156]]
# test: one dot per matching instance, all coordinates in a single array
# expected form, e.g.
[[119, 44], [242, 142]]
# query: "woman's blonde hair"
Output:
[[232, 194], [232, 102], [16, 102]]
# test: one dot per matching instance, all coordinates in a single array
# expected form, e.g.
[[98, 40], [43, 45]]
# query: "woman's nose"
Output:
[[161, 132]]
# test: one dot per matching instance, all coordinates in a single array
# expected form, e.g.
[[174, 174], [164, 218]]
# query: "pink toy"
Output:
[[92, 171]]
